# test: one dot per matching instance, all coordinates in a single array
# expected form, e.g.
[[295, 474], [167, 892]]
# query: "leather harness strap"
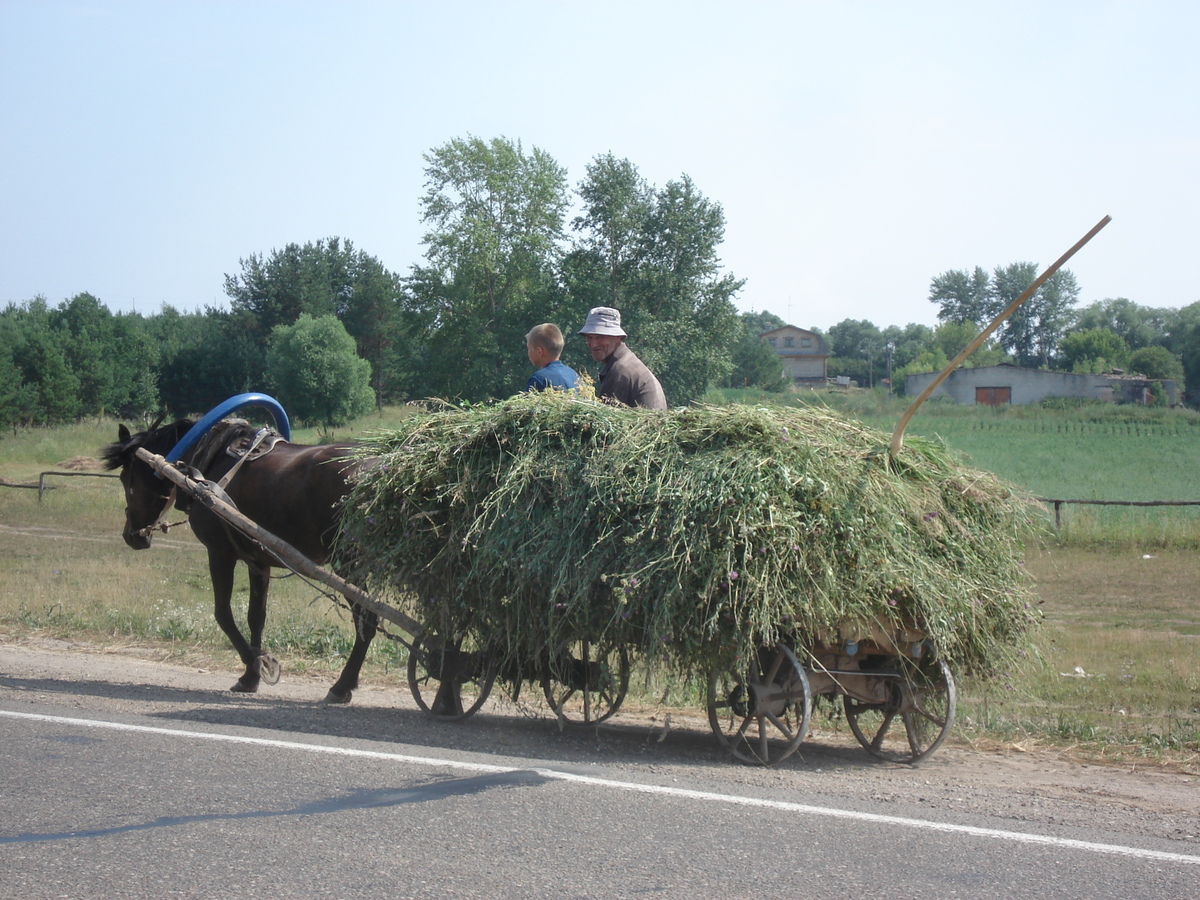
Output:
[[258, 439]]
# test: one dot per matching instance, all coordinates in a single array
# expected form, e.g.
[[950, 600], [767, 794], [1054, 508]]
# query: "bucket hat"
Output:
[[603, 320]]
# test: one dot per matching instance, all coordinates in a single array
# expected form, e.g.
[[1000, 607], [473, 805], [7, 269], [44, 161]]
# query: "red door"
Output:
[[993, 396]]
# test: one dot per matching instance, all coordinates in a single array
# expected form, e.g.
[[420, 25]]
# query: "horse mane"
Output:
[[118, 453], [221, 435]]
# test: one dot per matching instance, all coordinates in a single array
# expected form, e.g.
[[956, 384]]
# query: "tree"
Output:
[[1018, 335], [859, 351], [754, 363], [11, 395], [50, 390], [1031, 333], [496, 219], [317, 373], [1138, 326], [206, 358], [1092, 350], [277, 289], [328, 277], [371, 315], [1156, 362], [906, 343], [962, 296], [617, 207], [1050, 307], [653, 253], [1187, 338]]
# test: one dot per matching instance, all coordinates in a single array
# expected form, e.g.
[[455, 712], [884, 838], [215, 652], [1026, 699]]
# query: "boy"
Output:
[[545, 344]]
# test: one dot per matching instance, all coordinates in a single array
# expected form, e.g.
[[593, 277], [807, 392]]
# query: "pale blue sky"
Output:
[[857, 148]]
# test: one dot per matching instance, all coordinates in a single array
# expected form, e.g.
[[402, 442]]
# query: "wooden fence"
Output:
[[1058, 505]]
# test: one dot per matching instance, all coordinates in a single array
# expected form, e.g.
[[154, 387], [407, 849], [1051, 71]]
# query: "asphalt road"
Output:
[[183, 796]]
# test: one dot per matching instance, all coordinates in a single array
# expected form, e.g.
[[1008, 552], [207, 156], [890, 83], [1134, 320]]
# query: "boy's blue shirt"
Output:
[[556, 375]]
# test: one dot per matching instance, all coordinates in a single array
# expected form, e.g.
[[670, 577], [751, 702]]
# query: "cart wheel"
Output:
[[450, 678], [586, 683], [916, 717], [762, 713]]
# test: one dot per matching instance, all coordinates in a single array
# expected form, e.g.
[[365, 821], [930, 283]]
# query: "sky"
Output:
[[858, 149]]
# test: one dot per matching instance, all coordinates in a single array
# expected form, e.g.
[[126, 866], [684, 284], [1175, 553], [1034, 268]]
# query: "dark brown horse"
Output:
[[293, 491]]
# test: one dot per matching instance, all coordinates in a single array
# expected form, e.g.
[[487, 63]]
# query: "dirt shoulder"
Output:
[[1017, 788]]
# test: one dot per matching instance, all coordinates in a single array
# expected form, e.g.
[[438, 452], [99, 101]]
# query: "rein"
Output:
[[158, 524]]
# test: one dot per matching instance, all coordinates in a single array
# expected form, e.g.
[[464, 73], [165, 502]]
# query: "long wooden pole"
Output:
[[898, 434], [285, 552]]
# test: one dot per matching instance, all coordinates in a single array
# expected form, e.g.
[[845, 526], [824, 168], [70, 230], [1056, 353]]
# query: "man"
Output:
[[623, 378]]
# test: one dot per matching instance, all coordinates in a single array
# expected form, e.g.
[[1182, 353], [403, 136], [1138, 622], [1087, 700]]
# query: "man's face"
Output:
[[601, 346]]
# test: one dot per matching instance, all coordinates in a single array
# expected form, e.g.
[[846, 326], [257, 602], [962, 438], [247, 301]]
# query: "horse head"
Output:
[[147, 494]]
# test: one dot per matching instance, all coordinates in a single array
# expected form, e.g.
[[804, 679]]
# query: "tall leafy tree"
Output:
[[754, 363], [653, 254], [83, 330], [612, 229], [495, 220], [1032, 332], [371, 315], [859, 350], [1156, 362], [1092, 350], [317, 372], [50, 392], [274, 290], [1019, 333], [325, 277], [14, 395], [1139, 326], [206, 358], [906, 342], [962, 296]]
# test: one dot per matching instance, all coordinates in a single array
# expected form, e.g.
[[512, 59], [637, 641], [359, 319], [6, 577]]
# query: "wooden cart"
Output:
[[897, 695]]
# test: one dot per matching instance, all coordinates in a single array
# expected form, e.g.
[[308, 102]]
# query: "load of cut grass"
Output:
[[691, 535]]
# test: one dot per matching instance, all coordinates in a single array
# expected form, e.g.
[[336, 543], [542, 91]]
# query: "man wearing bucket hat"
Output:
[[623, 378]]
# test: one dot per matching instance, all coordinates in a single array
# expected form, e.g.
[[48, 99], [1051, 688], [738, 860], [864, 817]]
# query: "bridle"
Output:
[[158, 524]]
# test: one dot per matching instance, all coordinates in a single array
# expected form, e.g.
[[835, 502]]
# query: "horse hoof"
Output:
[[241, 686], [340, 699], [268, 668]]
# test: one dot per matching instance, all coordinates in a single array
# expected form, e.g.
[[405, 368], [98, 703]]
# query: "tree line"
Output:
[[329, 330]]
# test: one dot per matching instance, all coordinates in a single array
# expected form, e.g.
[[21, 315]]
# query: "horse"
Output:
[[293, 491]]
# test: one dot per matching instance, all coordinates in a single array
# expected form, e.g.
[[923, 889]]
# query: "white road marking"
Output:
[[661, 790]]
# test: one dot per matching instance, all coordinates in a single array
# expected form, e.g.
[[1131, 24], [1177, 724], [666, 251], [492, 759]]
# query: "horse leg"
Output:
[[265, 665], [366, 624], [220, 570]]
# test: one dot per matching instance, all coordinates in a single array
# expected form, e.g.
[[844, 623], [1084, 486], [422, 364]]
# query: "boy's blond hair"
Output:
[[549, 337]]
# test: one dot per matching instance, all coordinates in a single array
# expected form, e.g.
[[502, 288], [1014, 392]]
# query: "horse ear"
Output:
[[123, 435], [158, 422]]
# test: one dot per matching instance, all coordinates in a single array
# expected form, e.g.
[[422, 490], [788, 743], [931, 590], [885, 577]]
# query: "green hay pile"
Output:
[[691, 535]]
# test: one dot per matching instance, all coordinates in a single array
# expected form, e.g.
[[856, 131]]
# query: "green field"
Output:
[[1096, 452], [1118, 586]]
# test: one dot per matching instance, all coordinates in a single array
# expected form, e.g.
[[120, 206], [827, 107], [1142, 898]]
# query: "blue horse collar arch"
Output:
[[233, 404]]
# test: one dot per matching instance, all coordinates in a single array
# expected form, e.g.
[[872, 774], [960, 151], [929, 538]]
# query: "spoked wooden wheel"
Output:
[[587, 682], [761, 713], [915, 718], [449, 677]]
